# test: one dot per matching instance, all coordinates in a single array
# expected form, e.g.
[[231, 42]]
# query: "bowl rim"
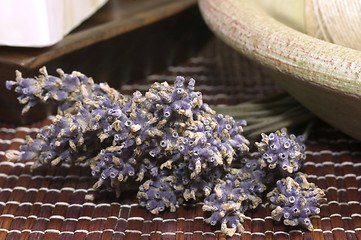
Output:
[[256, 34]]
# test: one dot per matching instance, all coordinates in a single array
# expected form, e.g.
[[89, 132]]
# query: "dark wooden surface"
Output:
[[125, 40]]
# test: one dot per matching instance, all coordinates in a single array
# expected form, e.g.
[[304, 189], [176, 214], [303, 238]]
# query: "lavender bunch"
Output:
[[282, 151], [167, 142], [124, 139], [295, 200], [169, 126]]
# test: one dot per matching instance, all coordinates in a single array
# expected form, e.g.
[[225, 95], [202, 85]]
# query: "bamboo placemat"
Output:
[[49, 203]]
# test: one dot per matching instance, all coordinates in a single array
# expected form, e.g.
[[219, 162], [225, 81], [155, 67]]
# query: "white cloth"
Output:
[[41, 23]]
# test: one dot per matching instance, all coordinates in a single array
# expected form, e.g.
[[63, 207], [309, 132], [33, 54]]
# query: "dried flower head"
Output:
[[239, 191], [286, 152], [294, 200], [158, 193]]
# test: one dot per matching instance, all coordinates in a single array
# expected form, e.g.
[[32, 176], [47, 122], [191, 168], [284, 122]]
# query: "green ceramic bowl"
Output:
[[323, 76]]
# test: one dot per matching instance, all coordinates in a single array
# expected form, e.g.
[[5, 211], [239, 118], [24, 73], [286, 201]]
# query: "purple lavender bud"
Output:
[[129, 170], [65, 155], [177, 94], [27, 82], [128, 143], [167, 111], [10, 84], [215, 218], [179, 82], [191, 85], [105, 174], [154, 171], [150, 205]]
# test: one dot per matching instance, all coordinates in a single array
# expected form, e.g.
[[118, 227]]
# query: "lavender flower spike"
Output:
[[157, 194], [295, 200], [287, 152], [67, 89], [240, 190]]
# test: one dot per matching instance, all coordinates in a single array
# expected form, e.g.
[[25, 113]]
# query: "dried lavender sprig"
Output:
[[286, 152], [294, 200], [198, 187], [232, 196], [158, 193], [71, 136], [66, 90], [71, 90]]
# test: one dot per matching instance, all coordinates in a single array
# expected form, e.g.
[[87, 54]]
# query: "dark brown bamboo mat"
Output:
[[49, 203]]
